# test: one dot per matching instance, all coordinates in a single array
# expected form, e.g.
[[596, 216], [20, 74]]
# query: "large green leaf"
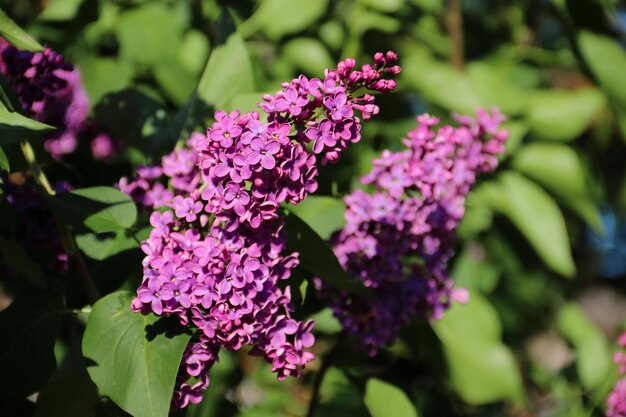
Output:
[[558, 168], [323, 214], [593, 356], [538, 218], [16, 36], [495, 89], [132, 358], [282, 17], [148, 34], [316, 257], [100, 209], [482, 369], [607, 60], [441, 84], [177, 82], [14, 127], [101, 76], [384, 400], [229, 71], [563, 115], [29, 330], [308, 54]]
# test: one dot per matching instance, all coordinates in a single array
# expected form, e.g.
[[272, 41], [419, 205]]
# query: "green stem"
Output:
[[67, 240]]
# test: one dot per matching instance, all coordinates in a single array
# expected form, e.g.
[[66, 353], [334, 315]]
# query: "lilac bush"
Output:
[[215, 257], [398, 239]]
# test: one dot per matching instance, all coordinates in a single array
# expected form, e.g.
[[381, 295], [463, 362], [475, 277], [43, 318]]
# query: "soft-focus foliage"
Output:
[[119, 93]]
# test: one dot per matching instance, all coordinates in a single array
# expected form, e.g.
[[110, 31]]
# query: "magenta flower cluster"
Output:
[[216, 259], [50, 91], [399, 237], [616, 400]]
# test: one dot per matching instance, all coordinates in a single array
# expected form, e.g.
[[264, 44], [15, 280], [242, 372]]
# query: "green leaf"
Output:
[[100, 247], [323, 214], [132, 358], [388, 6], [148, 34], [229, 70], [177, 82], [73, 395], [101, 76], [316, 257], [593, 356], [559, 169], [16, 36], [482, 369], [383, 400], [15, 257], [496, 90], [607, 60], [441, 84], [14, 127], [29, 330], [277, 18], [193, 51], [4, 161], [101, 209], [548, 109], [308, 54], [245, 103], [538, 218], [60, 10]]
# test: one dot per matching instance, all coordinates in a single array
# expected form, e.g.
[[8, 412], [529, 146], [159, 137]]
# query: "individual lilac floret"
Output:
[[399, 238], [220, 253]]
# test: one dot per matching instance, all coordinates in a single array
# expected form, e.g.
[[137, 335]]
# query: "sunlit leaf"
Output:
[[14, 127], [384, 399], [100, 209], [132, 358], [559, 169], [16, 36]]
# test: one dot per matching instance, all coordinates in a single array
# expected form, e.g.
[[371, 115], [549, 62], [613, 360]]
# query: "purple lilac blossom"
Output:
[[616, 400], [216, 261], [399, 238], [50, 90]]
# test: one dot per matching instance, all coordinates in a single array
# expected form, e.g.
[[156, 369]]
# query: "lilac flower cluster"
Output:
[[50, 90], [399, 238], [616, 400], [216, 258], [35, 229], [177, 175]]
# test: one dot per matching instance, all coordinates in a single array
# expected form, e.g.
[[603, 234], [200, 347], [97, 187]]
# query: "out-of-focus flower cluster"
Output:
[[399, 238], [35, 229], [50, 91], [616, 400], [215, 259]]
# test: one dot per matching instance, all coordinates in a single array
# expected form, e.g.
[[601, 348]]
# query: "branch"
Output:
[[327, 362], [454, 23]]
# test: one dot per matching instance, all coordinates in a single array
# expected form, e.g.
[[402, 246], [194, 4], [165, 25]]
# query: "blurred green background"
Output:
[[543, 246]]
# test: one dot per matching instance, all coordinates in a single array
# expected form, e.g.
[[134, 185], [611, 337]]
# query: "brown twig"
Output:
[[454, 23]]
